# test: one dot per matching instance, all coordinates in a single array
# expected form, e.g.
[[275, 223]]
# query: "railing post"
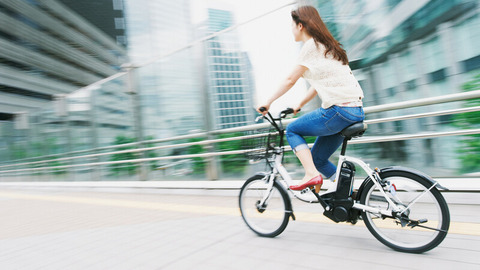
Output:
[[212, 168], [134, 91], [96, 172], [61, 111], [22, 126]]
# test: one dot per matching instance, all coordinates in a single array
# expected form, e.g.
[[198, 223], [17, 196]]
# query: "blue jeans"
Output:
[[326, 125]]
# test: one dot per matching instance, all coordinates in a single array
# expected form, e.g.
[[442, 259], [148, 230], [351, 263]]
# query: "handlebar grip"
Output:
[[286, 112], [262, 109]]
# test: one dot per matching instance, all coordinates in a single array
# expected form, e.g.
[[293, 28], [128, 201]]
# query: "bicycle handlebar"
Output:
[[283, 113], [278, 126]]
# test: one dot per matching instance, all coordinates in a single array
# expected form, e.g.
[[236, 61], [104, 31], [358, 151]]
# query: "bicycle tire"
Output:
[[268, 221], [431, 208]]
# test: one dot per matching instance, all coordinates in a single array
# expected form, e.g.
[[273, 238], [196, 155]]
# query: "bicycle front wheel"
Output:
[[270, 218], [425, 219]]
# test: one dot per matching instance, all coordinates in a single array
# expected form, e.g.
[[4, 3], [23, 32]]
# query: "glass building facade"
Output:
[[405, 50], [231, 85], [170, 89]]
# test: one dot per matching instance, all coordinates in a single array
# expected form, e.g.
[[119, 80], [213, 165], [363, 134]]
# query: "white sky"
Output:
[[268, 41]]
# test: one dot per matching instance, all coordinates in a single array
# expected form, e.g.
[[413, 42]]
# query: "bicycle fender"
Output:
[[401, 169], [289, 201], [262, 174], [414, 172]]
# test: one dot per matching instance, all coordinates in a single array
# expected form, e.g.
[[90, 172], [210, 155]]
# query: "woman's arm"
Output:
[[286, 85], [310, 95]]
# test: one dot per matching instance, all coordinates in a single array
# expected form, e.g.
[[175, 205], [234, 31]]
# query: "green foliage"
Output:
[[470, 145], [151, 154], [45, 146], [232, 163], [55, 163], [198, 163], [229, 163], [40, 147], [129, 168], [470, 153], [18, 152]]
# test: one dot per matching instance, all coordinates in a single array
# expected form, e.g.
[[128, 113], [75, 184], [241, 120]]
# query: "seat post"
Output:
[[344, 146]]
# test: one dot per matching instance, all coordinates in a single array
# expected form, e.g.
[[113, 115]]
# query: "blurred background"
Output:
[[155, 89]]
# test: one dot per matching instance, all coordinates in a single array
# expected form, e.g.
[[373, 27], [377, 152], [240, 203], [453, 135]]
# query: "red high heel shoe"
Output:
[[316, 181]]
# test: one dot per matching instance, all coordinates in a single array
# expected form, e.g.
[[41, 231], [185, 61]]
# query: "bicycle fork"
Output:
[[277, 168], [266, 197]]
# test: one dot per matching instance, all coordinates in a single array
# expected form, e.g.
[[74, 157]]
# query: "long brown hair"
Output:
[[310, 19]]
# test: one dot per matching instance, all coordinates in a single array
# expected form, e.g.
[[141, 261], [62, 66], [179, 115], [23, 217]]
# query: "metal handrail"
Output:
[[424, 101], [391, 106], [405, 104], [422, 115], [235, 152], [371, 109]]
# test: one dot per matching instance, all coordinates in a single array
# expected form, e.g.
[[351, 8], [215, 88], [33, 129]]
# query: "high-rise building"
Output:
[[230, 80], [170, 87]]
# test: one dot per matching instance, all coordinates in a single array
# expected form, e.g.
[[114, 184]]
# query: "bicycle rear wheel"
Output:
[[424, 223], [270, 219]]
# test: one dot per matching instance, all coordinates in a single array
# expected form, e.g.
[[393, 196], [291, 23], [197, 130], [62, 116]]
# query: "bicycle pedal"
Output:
[[304, 191], [423, 220]]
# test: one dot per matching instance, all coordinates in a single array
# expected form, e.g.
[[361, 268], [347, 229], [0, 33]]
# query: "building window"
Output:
[[438, 75], [118, 4], [467, 35], [471, 64], [391, 91], [411, 85], [119, 23], [434, 55], [121, 40]]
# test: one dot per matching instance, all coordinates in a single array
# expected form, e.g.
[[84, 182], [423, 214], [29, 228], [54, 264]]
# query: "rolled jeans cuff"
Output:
[[300, 147]]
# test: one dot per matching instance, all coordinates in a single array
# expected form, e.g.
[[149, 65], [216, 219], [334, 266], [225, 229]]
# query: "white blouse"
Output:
[[334, 81]]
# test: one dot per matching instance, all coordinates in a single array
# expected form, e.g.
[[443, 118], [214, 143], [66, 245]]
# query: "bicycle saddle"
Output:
[[355, 130]]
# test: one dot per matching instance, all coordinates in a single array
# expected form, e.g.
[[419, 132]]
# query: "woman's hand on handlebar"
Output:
[[263, 109], [297, 110]]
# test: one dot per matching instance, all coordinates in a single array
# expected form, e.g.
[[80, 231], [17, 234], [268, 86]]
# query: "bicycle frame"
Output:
[[275, 162], [279, 169]]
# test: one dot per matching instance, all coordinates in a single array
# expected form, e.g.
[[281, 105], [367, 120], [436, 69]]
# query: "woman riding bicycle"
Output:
[[324, 64]]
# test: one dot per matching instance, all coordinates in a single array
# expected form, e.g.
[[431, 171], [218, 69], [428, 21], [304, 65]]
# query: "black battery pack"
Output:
[[345, 180]]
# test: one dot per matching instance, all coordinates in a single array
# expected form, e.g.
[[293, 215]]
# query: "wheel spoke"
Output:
[[423, 218], [269, 219]]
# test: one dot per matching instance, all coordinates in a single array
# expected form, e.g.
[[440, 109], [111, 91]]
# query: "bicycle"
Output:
[[401, 207]]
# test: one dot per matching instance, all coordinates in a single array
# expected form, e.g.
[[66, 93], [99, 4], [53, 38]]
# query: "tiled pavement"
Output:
[[91, 230]]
